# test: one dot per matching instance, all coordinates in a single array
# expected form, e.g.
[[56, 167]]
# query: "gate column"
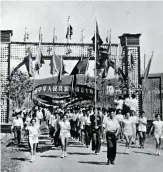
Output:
[[130, 45]]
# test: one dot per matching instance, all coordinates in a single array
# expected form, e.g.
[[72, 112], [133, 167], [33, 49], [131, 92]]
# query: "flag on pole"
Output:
[[28, 63], [56, 65], [106, 68], [61, 68], [116, 63], [99, 41], [39, 60], [69, 32], [81, 66], [145, 82]]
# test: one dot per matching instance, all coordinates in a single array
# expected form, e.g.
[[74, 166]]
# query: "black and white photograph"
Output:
[[81, 86]]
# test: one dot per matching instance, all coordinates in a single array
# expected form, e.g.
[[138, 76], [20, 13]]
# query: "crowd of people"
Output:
[[90, 126]]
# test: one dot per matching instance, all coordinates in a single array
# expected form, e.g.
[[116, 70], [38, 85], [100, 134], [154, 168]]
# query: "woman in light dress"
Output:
[[64, 125], [119, 117], [134, 119], [158, 133], [127, 131], [33, 138]]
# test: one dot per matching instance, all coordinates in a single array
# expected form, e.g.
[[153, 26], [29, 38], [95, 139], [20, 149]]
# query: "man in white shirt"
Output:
[[119, 103], [112, 130], [39, 115], [142, 128], [134, 103], [17, 126]]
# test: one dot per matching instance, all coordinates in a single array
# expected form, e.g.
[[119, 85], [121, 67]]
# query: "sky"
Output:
[[143, 17]]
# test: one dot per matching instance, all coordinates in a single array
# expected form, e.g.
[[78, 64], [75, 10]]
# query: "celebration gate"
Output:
[[13, 53]]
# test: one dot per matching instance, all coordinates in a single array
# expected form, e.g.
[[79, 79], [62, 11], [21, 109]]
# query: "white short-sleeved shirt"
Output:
[[119, 104], [133, 104], [64, 128], [158, 128], [119, 117], [111, 125], [39, 115], [134, 119], [142, 127], [33, 133]]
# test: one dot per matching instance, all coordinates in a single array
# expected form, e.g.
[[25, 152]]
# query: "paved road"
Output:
[[81, 159]]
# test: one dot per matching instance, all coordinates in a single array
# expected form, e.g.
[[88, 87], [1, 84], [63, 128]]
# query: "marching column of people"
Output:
[[88, 126]]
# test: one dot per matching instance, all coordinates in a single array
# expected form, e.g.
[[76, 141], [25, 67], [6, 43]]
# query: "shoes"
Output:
[[112, 162], [108, 162], [127, 151], [159, 153], [65, 154]]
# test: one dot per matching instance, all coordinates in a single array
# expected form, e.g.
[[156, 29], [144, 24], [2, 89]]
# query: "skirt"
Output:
[[33, 139], [64, 134]]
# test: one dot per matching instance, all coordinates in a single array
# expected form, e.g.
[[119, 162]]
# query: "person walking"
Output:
[[134, 119], [17, 127], [64, 125], [158, 133], [119, 117], [127, 131], [142, 128], [87, 129], [112, 129], [96, 128], [33, 130]]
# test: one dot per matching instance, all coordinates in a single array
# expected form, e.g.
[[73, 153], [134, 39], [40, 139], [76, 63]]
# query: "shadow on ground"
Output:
[[79, 153], [146, 153], [19, 159], [50, 156], [92, 162]]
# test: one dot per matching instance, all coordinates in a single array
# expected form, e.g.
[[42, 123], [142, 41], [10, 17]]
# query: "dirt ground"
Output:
[[11, 156]]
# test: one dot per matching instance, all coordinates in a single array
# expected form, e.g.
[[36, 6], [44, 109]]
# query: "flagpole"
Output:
[[68, 25], [144, 62], [82, 41], [95, 73], [53, 67]]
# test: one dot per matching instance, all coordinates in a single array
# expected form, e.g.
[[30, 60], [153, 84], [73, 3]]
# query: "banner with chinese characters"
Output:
[[62, 94]]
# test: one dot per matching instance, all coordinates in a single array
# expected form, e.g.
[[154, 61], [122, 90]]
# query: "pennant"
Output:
[[28, 63], [56, 65], [39, 60], [145, 82], [99, 41], [106, 69], [53, 67], [60, 67], [116, 64], [69, 32], [81, 67]]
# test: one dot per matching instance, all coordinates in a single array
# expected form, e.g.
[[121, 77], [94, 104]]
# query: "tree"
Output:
[[18, 87]]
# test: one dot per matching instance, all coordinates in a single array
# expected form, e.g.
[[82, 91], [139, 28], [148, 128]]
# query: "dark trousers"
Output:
[[74, 129], [111, 146], [87, 135], [142, 137], [96, 140], [17, 134], [57, 140]]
